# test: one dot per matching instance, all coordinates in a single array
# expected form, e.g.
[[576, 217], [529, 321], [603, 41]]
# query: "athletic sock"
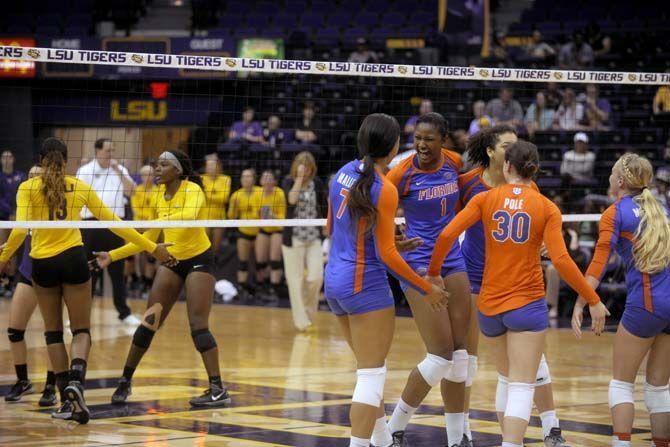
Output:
[[466, 425], [359, 442], [454, 423], [402, 413], [216, 380], [511, 444], [621, 439], [62, 379], [51, 378], [78, 370], [549, 421], [21, 371], [128, 372], [381, 434]]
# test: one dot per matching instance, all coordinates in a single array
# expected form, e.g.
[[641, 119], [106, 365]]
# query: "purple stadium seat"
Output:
[[393, 19], [83, 20], [367, 19], [349, 36], [238, 7], [340, 20], [73, 31], [321, 6], [379, 6], [230, 20], [257, 20], [295, 7], [327, 36], [426, 18], [267, 8], [47, 31], [312, 20], [48, 20]]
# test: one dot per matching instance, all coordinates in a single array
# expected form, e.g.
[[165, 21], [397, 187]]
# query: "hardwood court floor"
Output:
[[288, 389]]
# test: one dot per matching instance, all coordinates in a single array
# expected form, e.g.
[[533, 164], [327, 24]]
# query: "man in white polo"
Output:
[[111, 181]]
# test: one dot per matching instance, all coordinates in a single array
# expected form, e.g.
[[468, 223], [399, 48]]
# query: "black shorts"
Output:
[[246, 236], [270, 233], [204, 262], [68, 267], [22, 279]]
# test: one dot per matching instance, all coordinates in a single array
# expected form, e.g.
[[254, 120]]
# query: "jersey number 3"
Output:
[[60, 213], [515, 226]]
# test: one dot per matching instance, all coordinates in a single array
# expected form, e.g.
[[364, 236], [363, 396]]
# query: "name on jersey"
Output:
[[346, 180], [513, 204], [636, 211], [435, 192]]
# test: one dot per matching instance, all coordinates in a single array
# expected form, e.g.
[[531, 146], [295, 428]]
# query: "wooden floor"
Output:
[[288, 389]]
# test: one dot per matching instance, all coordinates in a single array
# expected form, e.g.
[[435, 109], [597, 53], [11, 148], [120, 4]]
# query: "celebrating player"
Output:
[[427, 184], [486, 149], [361, 212], [179, 197], [637, 228], [60, 270], [512, 311]]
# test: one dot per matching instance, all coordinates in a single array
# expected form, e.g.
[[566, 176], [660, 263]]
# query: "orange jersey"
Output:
[[516, 219]]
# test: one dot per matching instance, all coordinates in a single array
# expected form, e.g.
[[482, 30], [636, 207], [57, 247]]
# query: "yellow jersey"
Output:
[[273, 206], [46, 243], [246, 205], [217, 192], [188, 203], [144, 202]]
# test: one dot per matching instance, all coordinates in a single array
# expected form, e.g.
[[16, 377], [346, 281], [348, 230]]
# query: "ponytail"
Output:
[[652, 250], [359, 200], [53, 158], [378, 137]]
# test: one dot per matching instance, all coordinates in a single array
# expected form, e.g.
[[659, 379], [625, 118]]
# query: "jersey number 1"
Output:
[[515, 226]]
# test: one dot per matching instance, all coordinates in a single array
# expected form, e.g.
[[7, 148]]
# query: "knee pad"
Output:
[[261, 266], [620, 393], [53, 337], [501, 394], [519, 400], [543, 376], [243, 266], [459, 372], [472, 370], [657, 398], [81, 331], [370, 386], [434, 368], [276, 265], [203, 340], [15, 335], [143, 336]]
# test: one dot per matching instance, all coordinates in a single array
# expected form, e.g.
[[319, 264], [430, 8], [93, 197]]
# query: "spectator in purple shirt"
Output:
[[247, 130], [596, 110], [10, 181], [425, 107]]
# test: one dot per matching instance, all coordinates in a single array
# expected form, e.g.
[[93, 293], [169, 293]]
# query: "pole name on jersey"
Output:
[[513, 204], [435, 192], [346, 180]]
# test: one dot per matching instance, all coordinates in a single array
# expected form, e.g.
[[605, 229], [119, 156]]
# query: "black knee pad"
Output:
[[203, 340], [260, 266], [15, 335], [276, 265], [143, 336], [243, 266], [82, 331], [53, 337]]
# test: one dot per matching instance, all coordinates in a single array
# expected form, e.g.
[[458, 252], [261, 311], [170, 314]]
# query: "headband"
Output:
[[172, 159]]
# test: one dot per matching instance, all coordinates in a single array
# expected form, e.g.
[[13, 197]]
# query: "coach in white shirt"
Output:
[[111, 181]]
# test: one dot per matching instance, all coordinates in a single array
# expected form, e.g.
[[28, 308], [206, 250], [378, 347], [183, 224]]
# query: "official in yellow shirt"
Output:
[[245, 203], [180, 197], [269, 239], [60, 267], [217, 189]]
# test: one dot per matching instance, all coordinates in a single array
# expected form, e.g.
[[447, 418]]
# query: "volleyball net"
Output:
[[248, 119]]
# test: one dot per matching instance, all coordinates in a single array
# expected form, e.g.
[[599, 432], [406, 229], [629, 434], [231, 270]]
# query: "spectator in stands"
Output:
[[247, 130], [481, 120], [306, 130], [578, 163], [426, 106], [363, 54], [599, 42], [500, 54], [666, 152], [576, 54], [301, 246], [539, 116], [553, 94], [597, 110], [538, 48], [273, 134], [661, 188], [10, 179], [661, 104], [570, 113], [505, 109]]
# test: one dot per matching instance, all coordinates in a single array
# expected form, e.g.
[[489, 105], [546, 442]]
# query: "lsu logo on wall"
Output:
[[138, 110]]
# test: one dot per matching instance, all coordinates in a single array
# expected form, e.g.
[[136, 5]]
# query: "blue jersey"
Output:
[[473, 246], [430, 201], [618, 226], [359, 258]]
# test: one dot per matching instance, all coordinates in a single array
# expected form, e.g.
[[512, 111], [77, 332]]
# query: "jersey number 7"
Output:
[[515, 226], [344, 193]]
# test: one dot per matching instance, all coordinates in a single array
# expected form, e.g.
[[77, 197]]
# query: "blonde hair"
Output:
[[651, 250], [307, 159]]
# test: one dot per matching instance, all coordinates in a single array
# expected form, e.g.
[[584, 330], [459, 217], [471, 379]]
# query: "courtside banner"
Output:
[[231, 64]]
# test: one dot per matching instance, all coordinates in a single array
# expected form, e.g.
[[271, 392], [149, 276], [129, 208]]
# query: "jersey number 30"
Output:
[[515, 226]]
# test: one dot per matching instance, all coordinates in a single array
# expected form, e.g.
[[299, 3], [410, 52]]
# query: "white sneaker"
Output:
[[131, 320]]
